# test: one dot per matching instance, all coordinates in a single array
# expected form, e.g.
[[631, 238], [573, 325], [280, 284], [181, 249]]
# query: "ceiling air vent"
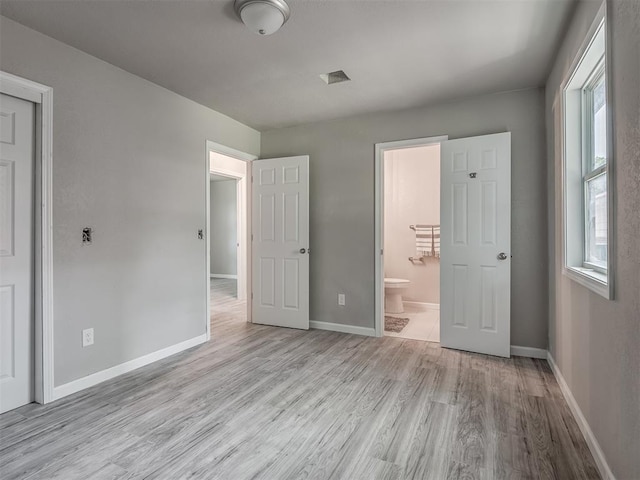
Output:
[[335, 77]]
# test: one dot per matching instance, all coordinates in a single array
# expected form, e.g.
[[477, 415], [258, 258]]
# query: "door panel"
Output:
[[16, 252], [281, 242], [476, 227]]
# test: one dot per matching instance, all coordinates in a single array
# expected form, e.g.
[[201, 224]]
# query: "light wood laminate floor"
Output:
[[272, 403]]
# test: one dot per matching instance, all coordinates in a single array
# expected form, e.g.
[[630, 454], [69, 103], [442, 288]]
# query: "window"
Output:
[[595, 176], [587, 197]]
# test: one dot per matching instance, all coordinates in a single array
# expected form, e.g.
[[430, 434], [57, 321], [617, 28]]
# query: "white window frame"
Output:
[[588, 69], [590, 172]]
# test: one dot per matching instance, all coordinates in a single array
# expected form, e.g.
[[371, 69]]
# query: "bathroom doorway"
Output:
[[409, 271]]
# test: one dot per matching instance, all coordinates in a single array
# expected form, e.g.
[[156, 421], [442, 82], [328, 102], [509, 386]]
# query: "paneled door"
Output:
[[475, 263], [16, 252], [280, 242]]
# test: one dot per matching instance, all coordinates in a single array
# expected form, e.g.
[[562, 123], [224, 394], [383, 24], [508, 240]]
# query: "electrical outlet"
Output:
[[341, 299], [87, 337]]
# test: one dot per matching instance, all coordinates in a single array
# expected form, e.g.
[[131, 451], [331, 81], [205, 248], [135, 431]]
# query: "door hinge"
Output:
[[382, 251], [252, 237]]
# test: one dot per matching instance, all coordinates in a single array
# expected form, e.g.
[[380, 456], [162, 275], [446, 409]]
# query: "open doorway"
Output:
[[228, 254], [412, 243], [408, 238], [223, 237]]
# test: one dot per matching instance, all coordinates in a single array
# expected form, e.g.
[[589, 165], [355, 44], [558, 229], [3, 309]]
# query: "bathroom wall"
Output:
[[411, 196]]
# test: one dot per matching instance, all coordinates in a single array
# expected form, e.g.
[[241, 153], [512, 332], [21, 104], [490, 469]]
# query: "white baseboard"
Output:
[[338, 327], [529, 352], [594, 446], [223, 275], [109, 373], [428, 306]]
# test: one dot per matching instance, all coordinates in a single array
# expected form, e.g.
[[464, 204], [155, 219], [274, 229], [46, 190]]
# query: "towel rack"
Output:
[[425, 235], [413, 227]]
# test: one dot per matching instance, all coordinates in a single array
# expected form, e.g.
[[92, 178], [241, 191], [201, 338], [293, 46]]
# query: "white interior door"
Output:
[[475, 275], [280, 246], [16, 252]]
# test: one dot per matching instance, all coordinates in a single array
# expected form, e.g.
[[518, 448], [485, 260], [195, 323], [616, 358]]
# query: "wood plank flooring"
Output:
[[270, 403]]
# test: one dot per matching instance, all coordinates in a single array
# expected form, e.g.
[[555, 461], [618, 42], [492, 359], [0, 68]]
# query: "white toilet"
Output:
[[393, 290]]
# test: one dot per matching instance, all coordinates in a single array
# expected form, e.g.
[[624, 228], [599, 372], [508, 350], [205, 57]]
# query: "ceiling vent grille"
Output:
[[335, 77]]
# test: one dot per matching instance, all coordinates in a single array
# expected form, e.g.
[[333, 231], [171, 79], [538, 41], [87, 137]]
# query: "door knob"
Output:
[[302, 250], [502, 256]]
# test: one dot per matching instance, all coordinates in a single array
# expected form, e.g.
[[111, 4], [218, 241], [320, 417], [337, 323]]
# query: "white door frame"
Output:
[[42, 97], [380, 148], [244, 222]]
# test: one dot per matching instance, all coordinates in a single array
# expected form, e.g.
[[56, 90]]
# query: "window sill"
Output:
[[595, 281]]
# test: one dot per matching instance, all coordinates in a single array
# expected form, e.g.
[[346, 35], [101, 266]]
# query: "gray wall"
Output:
[[342, 200], [594, 341], [129, 161], [224, 227]]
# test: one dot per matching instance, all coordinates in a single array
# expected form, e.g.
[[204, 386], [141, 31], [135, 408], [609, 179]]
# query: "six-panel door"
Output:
[[475, 261], [16, 252], [280, 244]]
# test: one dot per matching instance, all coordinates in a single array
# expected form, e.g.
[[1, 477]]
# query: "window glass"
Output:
[[599, 125], [596, 228]]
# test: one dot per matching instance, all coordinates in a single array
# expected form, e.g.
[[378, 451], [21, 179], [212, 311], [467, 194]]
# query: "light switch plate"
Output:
[[341, 299]]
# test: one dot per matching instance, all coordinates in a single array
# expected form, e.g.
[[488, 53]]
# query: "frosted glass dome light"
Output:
[[263, 17]]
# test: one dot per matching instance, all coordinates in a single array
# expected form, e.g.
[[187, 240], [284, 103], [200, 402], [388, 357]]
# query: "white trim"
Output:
[[229, 152], [104, 375], [528, 352], [427, 306], [223, 275], [42, 96], [338, 327], [591, 280], [380, 148], [230, 174], [207, 247], [594, 446]]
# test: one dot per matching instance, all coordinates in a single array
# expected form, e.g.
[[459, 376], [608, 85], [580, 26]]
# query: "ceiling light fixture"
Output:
[[262, 16]]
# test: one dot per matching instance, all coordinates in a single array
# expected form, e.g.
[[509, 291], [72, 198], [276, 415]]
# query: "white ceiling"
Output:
[[398, 53]]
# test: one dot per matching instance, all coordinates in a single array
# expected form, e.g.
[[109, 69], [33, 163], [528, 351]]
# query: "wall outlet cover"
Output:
[[341, 299], [87, 337]]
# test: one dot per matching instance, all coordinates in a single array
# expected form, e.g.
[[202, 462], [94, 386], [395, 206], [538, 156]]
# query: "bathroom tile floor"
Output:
[[424, 323]]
